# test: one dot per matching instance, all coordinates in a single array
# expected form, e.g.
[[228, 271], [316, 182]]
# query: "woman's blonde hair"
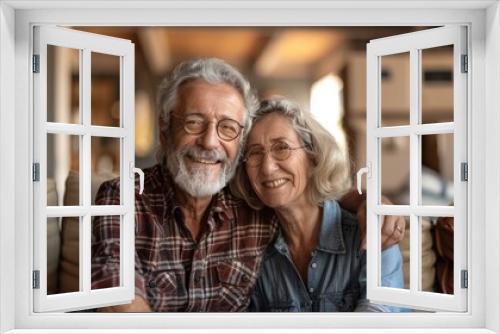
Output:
[[330, 177]]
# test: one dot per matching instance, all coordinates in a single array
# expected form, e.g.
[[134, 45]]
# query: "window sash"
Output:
[[86, 43], [413, 43]]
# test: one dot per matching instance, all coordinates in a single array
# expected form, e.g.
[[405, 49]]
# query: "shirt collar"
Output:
[[331, 238]]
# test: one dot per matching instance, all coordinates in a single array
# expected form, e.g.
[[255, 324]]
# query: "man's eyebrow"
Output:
[[194, 114]]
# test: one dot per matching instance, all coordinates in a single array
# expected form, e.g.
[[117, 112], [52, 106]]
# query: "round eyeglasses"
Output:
[[279, 151], [227, 129]]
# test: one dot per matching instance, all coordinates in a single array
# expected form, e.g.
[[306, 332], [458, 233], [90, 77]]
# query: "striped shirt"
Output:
[[173, 272]]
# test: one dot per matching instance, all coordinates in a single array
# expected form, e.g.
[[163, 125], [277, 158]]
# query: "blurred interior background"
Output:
[[323, 69]]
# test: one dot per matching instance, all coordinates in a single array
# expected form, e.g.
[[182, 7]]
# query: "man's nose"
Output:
[[210, 139]]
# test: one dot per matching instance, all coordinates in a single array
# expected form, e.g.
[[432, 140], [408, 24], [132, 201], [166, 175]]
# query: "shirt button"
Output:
[[245, 278], [314, 265], [152, 284], [311, 290]]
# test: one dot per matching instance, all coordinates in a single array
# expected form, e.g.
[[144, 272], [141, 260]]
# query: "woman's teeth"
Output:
[[274, 183]]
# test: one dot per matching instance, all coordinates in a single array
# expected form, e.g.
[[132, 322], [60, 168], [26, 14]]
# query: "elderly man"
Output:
[[197, 247]]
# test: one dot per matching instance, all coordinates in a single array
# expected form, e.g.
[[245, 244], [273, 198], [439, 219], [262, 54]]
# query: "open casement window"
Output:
[[386, 134], [68, 141]]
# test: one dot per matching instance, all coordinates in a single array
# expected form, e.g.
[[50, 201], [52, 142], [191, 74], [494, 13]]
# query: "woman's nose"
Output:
[[269, 164]]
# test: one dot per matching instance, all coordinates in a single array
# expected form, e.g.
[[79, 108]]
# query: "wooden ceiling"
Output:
[[268, 52]]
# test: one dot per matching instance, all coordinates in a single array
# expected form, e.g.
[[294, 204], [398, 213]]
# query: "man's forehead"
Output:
[[201, 97]]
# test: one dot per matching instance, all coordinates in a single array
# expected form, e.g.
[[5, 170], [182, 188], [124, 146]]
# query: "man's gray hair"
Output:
[[213, 71]]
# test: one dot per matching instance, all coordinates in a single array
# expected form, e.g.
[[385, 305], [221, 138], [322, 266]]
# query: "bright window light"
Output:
[[327, 106]]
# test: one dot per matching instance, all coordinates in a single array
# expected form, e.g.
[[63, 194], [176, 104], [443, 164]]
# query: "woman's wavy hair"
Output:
[[330, 175]]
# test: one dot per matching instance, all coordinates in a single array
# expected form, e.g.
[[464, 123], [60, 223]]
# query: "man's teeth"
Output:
[[209, 162], [274, 183]]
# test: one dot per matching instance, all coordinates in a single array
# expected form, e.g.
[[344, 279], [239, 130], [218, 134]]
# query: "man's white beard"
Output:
[[197, 181]]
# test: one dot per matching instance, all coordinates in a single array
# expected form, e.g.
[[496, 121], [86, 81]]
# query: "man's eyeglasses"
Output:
[[227, 129], [279, 151]]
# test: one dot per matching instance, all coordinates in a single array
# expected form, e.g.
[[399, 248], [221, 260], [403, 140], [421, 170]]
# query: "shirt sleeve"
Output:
[[106, 245], [392, 276], [392, 272]]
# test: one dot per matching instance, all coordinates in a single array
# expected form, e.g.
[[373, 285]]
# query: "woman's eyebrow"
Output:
[[273, 140], [280, 139], [253, 145]]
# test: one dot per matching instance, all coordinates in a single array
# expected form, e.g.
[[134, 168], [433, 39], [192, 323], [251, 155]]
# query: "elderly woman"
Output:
[[294, 167]]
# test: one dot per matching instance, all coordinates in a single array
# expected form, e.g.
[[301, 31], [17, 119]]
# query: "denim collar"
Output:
[[331, 238]]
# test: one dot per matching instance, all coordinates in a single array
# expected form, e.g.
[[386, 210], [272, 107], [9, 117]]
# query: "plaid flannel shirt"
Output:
[[173, 272]]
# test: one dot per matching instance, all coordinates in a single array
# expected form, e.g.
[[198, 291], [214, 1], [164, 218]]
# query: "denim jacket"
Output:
[[336, 277]]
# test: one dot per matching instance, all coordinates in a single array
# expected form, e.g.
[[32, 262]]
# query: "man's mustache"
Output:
[[198, 153]]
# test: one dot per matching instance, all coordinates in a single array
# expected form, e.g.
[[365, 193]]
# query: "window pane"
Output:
[[53, 250], [437, 169], [105, 89], [63, 166], [63, 85], [106, 257], [428, 255], [437, 84], [69, 262], [105, 163], [442, 259], [395, 89], [391, 275], [395, 168]]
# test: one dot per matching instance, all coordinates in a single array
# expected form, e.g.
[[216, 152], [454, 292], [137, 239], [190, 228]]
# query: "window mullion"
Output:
[[85, 222], [415, 249]]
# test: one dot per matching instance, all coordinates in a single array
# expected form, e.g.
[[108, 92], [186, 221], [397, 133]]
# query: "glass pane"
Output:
[[69, 261], [391, 273], [63, 166], [395, 169], [63, 84], [105, 89], [53, 250], [106, 256], [428, 255], [105, 163], [437, 254], [437, 84], [395, 89], [437, 169]]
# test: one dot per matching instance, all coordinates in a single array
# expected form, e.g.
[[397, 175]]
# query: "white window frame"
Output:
[[413, 44], [16, 19], [86, 43]]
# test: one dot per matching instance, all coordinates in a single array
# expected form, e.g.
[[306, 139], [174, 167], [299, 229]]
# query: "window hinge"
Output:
[[464, 171], [36, 63], [465, 279], [36, 172], [465, 64], [36, 279]]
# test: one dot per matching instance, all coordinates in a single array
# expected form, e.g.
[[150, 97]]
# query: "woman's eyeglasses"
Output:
[[279, 151]]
